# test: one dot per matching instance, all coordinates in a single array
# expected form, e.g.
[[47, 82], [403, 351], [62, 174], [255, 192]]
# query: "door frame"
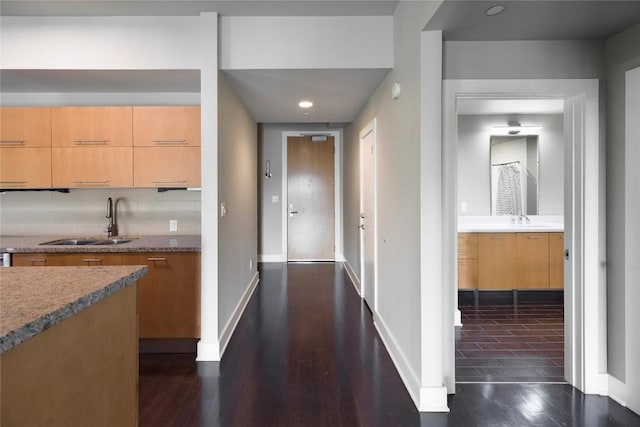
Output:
[[369, 128], [337, 183], [585, 315]]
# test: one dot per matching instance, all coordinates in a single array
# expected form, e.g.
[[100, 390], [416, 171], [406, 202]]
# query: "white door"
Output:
[[368, 213]]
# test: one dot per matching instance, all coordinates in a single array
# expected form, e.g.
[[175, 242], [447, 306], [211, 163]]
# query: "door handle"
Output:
[[361, 227], [291, 211]]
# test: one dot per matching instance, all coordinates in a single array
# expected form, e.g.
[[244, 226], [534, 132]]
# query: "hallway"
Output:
[[305, 353]]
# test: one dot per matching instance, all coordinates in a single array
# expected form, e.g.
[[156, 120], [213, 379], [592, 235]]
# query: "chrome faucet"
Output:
[[523, 219], [112, 227]]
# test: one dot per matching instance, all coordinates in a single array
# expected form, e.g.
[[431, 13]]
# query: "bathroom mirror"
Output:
[[514, 175]]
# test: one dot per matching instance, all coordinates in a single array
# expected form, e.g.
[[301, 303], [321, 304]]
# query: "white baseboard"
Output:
[[617, 390], [433, 399], [458, 317], [353, 276], [208, 351], [225, 336], [271, 258]]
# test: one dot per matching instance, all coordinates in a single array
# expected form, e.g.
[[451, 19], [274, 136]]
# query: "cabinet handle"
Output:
[[497, 237], [460, 262], [157, 259], [91, 141], [13, 182], [105, 182], [534, 237], [562, 237], [35, 260], [12, 141], [169, 141], [170, 181], [92, 260], [461, 249]]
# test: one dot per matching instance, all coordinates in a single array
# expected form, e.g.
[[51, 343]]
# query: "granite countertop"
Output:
[[35, 299], [165, 243]]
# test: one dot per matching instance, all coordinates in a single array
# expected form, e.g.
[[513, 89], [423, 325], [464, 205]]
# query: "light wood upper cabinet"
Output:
[[533, 260], [166, 126], [467, 260], [25, 167], [556, 260], [25, 127], [166, 166], [497, 261], [92, 167], [91, 126]]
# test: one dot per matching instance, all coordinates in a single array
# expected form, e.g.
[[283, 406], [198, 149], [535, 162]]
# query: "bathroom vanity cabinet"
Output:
[[514, 260]]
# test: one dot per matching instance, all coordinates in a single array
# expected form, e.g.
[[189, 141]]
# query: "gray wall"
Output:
[[474, 181], [270, 213], [557, 59], [622, 54], [238, 189]]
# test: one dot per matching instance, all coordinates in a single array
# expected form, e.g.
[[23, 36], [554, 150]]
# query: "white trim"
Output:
[[617, 390], [208, 351], [409, 377], [271, 258], [458, 317], [352, 276], [433, 399], [585, 311], [369, 128], [337, 183], [230, 327]]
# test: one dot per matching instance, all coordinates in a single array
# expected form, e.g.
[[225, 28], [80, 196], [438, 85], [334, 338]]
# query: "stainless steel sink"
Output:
[[86, 241]]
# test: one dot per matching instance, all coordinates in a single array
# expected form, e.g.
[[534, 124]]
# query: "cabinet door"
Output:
[[25, 126], [38, 260], [84, 167], [81, 126], [533, 260], [25, 167], [169, 298], [92, 259], [166, 166], [497, 261], [468, 245], [164, 126], [467, 273], [556, 260]]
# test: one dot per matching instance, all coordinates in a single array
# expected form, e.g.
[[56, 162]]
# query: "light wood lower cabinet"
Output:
[[497, 261], [556, 260], [169, 295], [468, 261], [25, 167], [533, 260], [169, 303], [87, 167], [511, 261]]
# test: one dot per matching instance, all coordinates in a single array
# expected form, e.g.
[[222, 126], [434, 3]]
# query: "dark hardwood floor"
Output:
[[503, 341], [305, 353]]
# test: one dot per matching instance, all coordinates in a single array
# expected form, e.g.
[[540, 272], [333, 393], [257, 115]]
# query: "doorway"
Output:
[[311, 196], [368, 214], [585, 312]]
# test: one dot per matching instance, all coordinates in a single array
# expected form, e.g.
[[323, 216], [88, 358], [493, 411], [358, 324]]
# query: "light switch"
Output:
[[223, 210], [275, 199], [463, 207]]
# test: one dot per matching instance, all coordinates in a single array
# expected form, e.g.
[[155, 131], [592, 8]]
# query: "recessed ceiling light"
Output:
[[495, 10], [305, 104]]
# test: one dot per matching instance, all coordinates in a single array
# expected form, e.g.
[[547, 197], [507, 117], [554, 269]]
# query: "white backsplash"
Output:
[[83, 211]]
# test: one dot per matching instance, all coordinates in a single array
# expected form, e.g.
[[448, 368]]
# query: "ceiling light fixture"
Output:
[[495, 10], [515, 128], [305, 104]]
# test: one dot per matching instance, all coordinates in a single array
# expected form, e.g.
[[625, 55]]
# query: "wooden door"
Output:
[[25, 167], [80, 126], [467, 261], [85, 167], [533, 260], [25, 127], [310, 195], [166, 166], [556, 260], [166, 126]]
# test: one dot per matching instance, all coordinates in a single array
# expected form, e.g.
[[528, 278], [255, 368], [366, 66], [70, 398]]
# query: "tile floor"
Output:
[[505, 342]]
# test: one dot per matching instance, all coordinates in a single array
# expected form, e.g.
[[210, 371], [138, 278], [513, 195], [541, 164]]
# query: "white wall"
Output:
[[556, 59], [250, 42], [398, 318], [94, 43], [82, 212], [474, 158], [622, 54], [238, 190]]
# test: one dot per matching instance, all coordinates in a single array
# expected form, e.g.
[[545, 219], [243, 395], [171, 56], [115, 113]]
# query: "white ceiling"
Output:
[[272, 96], [189, 7], [534, 20], [510, 106]]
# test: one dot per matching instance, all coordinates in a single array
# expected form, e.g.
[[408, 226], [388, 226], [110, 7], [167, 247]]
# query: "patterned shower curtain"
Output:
[[509, 194]]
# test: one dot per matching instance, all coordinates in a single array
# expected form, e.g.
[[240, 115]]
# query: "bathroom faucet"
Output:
[[112, 227], [523, 219]]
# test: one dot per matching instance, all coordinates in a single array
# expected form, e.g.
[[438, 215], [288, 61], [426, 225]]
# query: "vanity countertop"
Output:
[[164, 243], [503, 224]]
